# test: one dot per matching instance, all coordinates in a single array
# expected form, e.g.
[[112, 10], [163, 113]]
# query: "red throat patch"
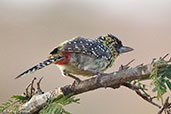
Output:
[[66, 58]]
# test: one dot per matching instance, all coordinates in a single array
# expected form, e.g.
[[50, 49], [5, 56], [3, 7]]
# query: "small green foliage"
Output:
[[21, 98], [5, 105], [55, 105], [168, 84], [11, 106], [141, 86], [160, 77]]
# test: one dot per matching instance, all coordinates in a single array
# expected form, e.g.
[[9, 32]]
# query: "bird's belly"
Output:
[[84, 65]]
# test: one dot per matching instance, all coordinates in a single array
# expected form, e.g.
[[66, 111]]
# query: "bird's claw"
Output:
[[76, 79]]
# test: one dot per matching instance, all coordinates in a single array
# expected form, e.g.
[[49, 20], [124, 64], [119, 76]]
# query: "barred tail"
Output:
[[39, 66]]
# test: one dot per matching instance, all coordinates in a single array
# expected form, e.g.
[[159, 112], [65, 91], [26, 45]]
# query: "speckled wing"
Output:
[[88, 47]]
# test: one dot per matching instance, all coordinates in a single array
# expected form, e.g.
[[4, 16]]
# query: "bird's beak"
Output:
[[124, 49]]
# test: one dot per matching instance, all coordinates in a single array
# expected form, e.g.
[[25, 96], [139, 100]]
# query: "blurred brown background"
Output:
[[30, 29]]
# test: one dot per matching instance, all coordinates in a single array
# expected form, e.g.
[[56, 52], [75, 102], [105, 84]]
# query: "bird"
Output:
[[83, 57]]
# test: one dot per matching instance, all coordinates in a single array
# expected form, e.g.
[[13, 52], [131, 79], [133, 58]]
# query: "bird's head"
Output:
[[114, 44]]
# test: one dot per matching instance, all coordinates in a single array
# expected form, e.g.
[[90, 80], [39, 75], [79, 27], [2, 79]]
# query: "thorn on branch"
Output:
[[130, 62], [30, 90], [162, 58], [39, 90], [140, 65], [28, 93], [125, 67]]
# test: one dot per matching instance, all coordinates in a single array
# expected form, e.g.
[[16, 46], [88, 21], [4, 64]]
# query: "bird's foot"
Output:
[[76, 79]]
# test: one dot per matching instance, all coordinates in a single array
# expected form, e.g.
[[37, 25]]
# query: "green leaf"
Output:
[[10, 105], [59, 110], [168, 74], [59, 96], [154, 89], [158, 94], [66, 112], [56, 105], [154, 73], [134, 82], [162, 80], [19, 97], [168, 84]]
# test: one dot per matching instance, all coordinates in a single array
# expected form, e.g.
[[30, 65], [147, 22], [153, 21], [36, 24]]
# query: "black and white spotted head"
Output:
[[114, 44]]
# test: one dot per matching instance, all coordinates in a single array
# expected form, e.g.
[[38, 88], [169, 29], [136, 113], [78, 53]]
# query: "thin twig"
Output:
[[38, 83], [39, 90], [153, 97], [27, 91], [136, 89], [31, 93], [125, 67], [32, 88], [165, 106], [162, 58], [140, 65], [130, 62]]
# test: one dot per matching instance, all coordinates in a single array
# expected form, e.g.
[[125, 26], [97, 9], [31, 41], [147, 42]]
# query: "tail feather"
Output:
[[39, 66]]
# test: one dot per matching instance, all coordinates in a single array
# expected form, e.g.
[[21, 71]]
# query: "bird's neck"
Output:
[[110, 46]]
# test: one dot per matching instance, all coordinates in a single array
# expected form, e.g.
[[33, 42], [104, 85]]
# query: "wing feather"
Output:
[[88, 47]]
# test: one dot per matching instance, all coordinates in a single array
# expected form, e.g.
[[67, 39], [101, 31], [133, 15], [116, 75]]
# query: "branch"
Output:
[[166, 106], [113, 80], [137, 90]]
